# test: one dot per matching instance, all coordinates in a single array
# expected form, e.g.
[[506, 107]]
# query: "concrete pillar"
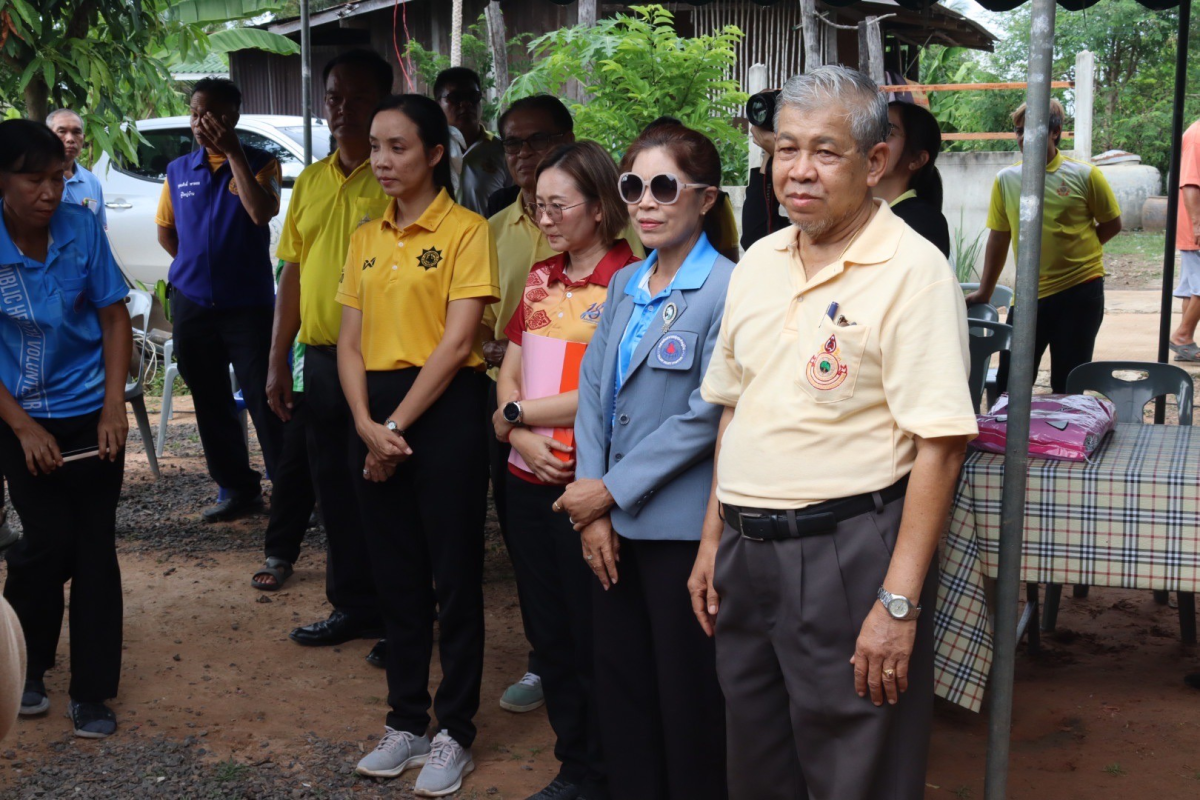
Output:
[[756, 81], [1085, 101]]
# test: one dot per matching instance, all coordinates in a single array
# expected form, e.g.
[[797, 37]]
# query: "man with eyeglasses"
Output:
[[481, 166]]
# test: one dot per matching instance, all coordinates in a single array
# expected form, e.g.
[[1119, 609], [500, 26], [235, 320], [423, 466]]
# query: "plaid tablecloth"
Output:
[[1131, 519]]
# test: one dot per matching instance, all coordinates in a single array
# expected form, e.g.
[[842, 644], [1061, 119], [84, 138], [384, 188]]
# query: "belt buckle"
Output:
[[742, 517]]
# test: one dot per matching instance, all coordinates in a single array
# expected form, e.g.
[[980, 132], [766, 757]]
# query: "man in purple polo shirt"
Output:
[[212, 219]]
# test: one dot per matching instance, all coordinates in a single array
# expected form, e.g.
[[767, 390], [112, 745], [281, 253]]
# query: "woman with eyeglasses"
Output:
[[578, 210], [644, 464], [912, 185]]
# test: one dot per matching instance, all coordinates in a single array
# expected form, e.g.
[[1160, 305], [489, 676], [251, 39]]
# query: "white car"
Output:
[[131, 192]]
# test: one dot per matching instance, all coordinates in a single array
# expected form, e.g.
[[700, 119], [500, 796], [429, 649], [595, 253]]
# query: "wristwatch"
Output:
[[512, 413], [391, 425], [899, 606]]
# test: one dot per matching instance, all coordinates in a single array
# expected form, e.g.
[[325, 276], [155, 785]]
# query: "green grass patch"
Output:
[[1148, 244]]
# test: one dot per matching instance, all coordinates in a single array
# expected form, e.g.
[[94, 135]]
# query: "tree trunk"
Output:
[[587, 12], [37, 99], [813, 57], [870, 49], [498, 40]]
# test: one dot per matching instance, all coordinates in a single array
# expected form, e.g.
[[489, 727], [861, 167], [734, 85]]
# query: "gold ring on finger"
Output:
[[889, 674], [589, 558]]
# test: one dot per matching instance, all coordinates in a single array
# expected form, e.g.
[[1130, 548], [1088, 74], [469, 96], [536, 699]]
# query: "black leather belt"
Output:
[[771, 524]]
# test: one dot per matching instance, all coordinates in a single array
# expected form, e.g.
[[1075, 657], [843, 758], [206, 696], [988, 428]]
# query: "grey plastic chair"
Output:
[[139, 303], [987, 339], [1130, 396], [1002, 296]]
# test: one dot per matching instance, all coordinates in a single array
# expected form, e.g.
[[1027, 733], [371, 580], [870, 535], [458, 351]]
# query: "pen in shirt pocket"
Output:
[[830, 312]]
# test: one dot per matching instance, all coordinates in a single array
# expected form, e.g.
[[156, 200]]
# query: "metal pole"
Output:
[[1020, 394], [306, 79], [1164, 320]]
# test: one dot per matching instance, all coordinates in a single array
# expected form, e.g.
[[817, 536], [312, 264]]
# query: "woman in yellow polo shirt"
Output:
[[413, 288], [583, 218]]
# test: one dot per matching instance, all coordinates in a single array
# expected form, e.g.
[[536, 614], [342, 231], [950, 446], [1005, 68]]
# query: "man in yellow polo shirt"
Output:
[[1079, 216], [332, 197], [842, 365]]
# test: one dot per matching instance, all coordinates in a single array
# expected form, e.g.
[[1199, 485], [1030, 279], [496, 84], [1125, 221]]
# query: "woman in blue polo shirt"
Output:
[[65, 347]]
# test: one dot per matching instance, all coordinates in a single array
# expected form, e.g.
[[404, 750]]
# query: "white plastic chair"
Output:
[[169, 376], [139, 304]]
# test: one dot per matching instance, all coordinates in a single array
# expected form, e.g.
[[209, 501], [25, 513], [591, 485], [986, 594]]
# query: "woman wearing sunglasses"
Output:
[[644, 459], [578, 210]]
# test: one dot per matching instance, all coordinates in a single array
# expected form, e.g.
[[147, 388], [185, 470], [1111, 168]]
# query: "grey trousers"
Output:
[[790, 615]]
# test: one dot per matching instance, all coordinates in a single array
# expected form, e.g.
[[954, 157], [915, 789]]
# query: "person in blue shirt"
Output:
[[212, 219], [81, 186], [65, 349], [644, 442]]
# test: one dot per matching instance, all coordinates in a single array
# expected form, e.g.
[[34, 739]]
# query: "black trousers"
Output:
[[556, 604], [207, 341], [349, 582], [292, 494], [424, 530], [69, 518], [662, 715], [498, 468], [1067, 324]]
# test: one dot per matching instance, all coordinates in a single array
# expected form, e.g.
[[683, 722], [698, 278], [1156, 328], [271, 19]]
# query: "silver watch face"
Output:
[[391, 426], [898, 607]]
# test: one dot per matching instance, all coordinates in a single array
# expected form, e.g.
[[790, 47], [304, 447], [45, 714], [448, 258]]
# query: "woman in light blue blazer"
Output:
[[644, 450]]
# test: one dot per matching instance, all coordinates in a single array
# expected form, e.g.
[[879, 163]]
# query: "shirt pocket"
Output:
[[674, 350], [830, 360], [72, 291]]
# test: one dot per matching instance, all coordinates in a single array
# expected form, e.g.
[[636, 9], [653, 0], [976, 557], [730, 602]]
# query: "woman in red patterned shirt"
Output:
[[578, 209]]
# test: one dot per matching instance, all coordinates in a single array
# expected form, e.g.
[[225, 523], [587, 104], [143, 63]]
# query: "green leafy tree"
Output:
[[633, 68], [109, 59]]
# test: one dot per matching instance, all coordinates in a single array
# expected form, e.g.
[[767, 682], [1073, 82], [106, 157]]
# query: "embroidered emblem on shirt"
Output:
[[592, 313], [671, 350], [1063, 189], [233, 186], [370, 262], [536, 295], [534, 279], [80, 302], [366, 218], [429, 258], [826, 370], [538, 319]]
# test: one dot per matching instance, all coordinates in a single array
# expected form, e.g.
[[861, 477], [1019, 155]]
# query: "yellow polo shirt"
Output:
[[326, 208], [828, 408], [403, 280], [1077, 196]]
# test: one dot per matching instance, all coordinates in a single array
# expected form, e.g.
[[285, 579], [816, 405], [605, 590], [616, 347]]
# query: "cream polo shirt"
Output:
[[828, 408]]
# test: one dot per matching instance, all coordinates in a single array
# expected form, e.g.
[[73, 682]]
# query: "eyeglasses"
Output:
[[552, 210], [461, 96], [895, 130], [665, 188], [538, 143]]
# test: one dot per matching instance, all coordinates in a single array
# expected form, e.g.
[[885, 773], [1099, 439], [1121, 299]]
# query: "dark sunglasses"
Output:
[[460, 96], [538, 143], [664, 187]]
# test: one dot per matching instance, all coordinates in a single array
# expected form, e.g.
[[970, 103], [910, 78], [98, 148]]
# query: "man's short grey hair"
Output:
[[58, 112], [855, 91]]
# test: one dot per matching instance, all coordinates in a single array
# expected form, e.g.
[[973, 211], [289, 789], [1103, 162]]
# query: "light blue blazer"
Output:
[[652, 443]]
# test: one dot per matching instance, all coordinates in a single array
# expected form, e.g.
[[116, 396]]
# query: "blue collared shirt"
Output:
[[691, 275], [50, 338], [83, 189]]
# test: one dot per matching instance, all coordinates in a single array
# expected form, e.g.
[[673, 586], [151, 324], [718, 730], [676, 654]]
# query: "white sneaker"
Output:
[[396, 752], [443, 773]]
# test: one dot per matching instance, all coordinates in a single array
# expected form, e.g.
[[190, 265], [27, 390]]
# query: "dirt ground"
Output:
[[216, 702]]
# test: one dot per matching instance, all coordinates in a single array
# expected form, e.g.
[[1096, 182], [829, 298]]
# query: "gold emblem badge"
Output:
[[429, 258]]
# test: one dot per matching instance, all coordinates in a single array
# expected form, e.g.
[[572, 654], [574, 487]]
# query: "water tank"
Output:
[[1132, 184]]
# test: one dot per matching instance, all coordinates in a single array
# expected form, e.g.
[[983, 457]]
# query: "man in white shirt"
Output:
[[481, 168]]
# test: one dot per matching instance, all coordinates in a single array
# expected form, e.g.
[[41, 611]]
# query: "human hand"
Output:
[[585, 501], [279, 389], [881, 656], [385, 445], [493, 352], [978, 296], [601, 550], [220, 133], [112, 430], [41, 449], [377, 471], [705, 601], [539, 454]]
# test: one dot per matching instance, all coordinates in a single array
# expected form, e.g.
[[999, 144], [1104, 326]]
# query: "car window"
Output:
[[288, 163], [160, 148]]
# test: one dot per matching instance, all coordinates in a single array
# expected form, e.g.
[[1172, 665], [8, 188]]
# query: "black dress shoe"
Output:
[[378, 654], [234, 507], [558, 789], [338, 629]]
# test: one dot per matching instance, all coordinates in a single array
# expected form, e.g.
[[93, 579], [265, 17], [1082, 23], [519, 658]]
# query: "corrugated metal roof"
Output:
[[212, 64]]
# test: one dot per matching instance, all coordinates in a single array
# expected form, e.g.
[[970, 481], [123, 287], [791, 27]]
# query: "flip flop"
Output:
[[1179, 348], [278, 569]]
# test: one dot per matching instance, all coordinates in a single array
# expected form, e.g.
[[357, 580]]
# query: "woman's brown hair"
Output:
[[697, 158], [594, 174]]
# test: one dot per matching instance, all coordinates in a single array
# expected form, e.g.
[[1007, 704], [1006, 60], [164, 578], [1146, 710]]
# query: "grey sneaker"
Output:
[[34, 699], [443, 773], [524, 695], [396, 752]]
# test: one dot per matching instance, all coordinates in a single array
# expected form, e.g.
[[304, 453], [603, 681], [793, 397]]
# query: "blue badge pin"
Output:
[[671, 350]]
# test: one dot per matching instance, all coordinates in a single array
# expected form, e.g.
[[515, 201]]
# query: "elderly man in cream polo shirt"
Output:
[[842, 364]]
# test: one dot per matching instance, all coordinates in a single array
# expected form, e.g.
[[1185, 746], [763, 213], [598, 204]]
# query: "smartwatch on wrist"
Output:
[[512, 413]]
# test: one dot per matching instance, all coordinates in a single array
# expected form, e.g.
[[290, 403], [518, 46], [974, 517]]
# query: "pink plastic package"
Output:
[[1068, 427]]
